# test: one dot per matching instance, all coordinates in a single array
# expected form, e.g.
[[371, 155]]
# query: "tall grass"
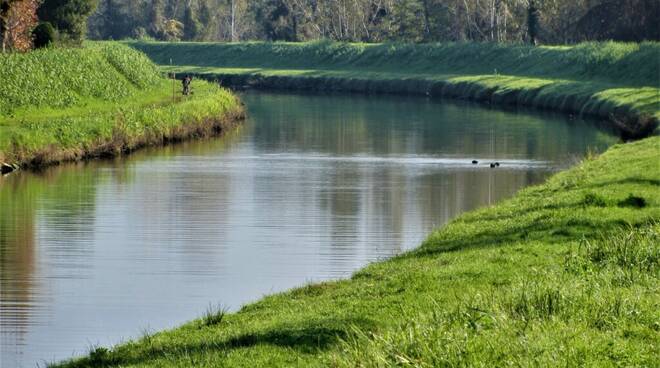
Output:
[[213, 315], [63, 77]]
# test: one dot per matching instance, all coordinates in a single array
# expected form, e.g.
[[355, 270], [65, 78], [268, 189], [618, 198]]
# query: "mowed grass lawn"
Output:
[[563, 274], [610, 80]]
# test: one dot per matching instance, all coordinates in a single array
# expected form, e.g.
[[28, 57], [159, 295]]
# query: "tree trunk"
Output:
[[467, 20], [506, 11], [5, 7], [496, 20], [427, 22], [492, 20], [295, 23], [233, 20], [4, 40], [5, 33]]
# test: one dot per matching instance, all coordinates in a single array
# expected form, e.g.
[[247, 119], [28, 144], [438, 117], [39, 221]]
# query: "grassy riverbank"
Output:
[[99, 100], [613, 81], [564, 274]]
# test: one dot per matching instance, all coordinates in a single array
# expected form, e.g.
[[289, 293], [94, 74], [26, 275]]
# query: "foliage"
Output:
[[44, 35], [532, 22], [539, 280], [191, 25], [172, 30], [5, 8], [17, 18], [552, 22], [69, 17], [635, 20]]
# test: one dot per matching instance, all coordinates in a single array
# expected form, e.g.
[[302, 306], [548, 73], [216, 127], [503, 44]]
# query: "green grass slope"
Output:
[[102, 99], [564, 274], [615, 81], [627, 63]]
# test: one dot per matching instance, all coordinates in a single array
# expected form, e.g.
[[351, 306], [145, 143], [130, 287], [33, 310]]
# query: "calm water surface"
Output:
[[311, 188]]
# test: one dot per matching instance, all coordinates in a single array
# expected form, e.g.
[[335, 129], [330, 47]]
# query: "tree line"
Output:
[[28, 23], [545, 21]]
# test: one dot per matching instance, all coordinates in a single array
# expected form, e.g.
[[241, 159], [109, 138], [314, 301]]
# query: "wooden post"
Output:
[[173, 83]]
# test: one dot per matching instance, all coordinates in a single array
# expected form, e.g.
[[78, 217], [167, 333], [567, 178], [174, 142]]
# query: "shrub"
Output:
[[44, 35]]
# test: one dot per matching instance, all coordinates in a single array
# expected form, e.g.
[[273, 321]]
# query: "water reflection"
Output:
[[311, 188], [31, 209], [17, 268]]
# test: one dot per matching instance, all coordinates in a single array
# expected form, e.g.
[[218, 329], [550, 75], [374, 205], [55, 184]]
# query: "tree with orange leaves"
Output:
[[17, 19]]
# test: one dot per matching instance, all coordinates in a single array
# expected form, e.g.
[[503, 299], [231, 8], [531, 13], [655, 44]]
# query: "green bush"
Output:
[[44, 35]]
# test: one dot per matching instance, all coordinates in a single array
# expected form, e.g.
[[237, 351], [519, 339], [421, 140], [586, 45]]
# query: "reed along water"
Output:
[[311, 188]]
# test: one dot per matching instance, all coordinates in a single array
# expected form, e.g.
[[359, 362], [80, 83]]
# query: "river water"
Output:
[[310, 188]]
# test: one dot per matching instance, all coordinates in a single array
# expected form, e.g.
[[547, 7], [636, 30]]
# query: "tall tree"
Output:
[[407, 21], [156, 18], [5, 8], [69, 17], [191, 25], [17, 19], [627, 20], [532, 22], [553, 21]]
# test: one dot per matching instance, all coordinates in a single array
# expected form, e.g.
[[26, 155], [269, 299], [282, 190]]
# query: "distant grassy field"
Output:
[[564, 274], [619, 82], [102, 99]]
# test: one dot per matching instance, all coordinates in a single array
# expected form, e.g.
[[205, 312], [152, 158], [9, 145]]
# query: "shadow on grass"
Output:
[[574, 205], [639, 181], [307, 337], [305, 340], [543, 229]]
